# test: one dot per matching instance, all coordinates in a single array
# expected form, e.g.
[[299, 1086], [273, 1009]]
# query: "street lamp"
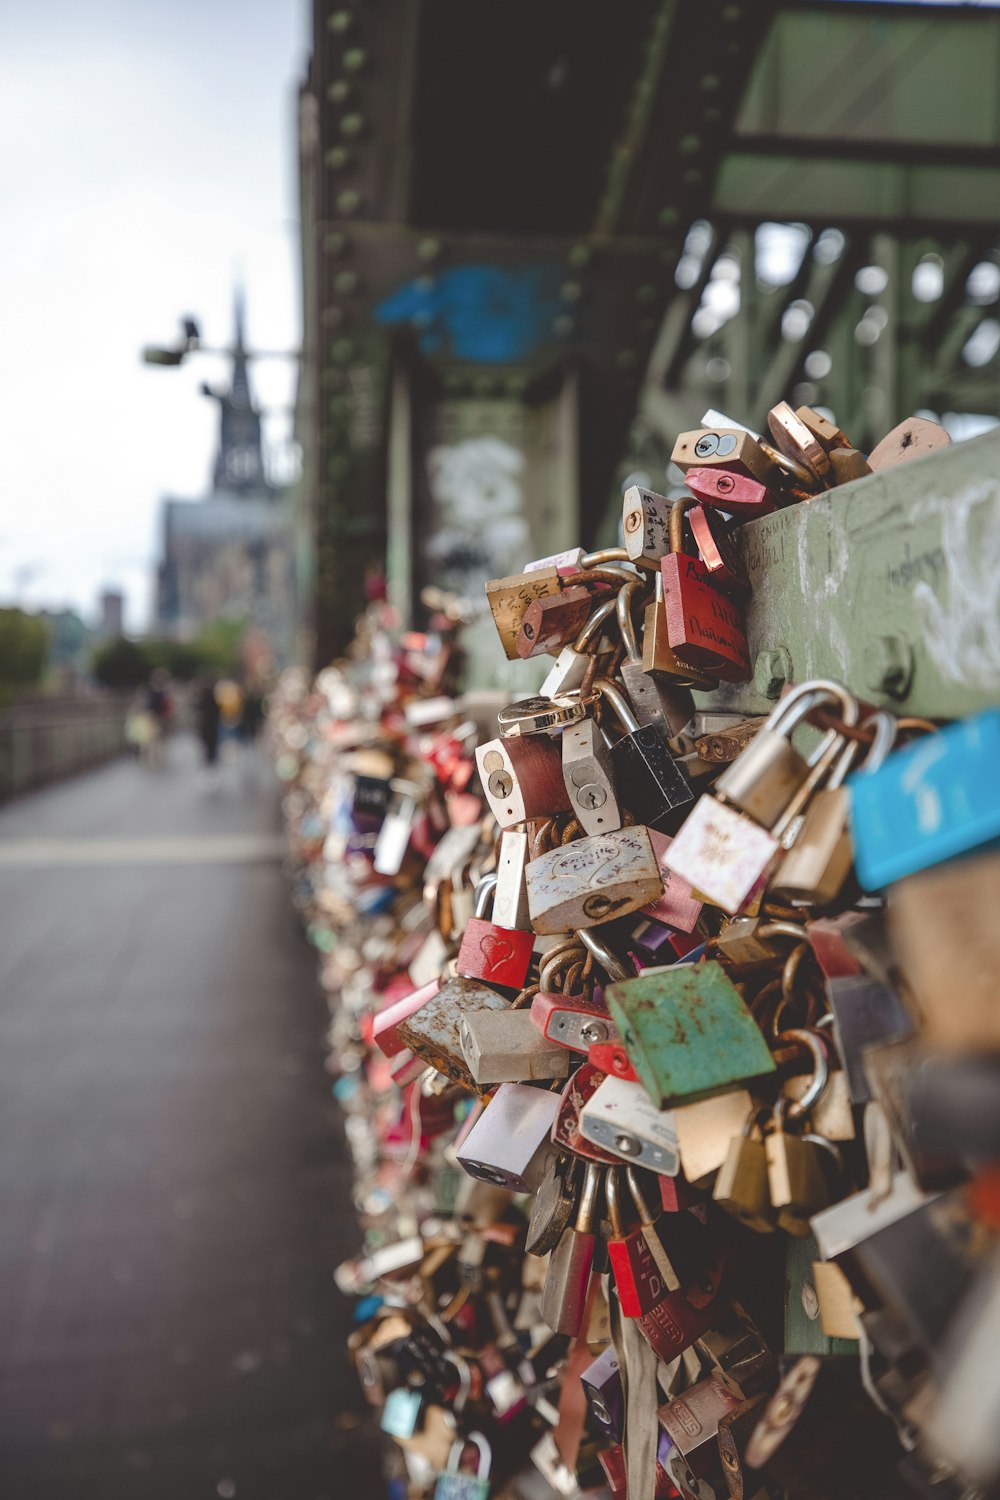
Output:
[[190, 343]]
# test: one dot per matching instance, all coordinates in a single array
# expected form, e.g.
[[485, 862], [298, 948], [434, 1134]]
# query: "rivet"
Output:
[[340, 20], [342, 351], [346, 282], [331, 317], [335, 242], [339, 91], [354, 59], [349, 201], [337, 158], [352, 125]]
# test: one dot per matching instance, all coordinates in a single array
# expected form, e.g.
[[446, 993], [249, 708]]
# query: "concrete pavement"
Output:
[[174, 1189]]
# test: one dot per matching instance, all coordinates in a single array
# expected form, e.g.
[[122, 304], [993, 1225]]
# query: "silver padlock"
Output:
[[589, 780], [592, 880], [510, 897], [567, 1279], [621, 1118], [505, 1047], [510, 1144], [453, 1485]]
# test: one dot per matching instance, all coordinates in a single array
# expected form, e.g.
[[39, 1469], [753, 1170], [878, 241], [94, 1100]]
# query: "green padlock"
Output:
[[688, 1033], [452, 1485]]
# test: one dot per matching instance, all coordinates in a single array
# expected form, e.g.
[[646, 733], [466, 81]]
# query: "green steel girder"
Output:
[[890, 584]]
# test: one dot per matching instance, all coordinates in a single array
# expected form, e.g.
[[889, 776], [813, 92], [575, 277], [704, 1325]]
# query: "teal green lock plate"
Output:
[[688, 1033]]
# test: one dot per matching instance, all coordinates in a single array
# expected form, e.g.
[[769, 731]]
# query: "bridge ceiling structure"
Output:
[[661, 206]]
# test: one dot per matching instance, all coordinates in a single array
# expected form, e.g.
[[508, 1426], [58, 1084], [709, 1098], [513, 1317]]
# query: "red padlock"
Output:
[[739, 494], [572, 1021], [612, 1059], [385, 1030], [715, 548], [496, 955], [566, 1127], [705, 628], [637, 1277]]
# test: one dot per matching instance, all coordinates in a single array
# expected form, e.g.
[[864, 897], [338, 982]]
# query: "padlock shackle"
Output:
[[796, 1108], [791, 466], [603, 556], [607, 690], [886, 730], [458, 1448], [613, 1201], [485, 892], [675, 522], [626, 624], [615, 968], [646, 1214], [804, 697], [591, 631], [586, 1210]]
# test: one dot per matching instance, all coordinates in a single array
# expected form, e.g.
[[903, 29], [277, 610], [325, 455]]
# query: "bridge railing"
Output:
[[44, 739]]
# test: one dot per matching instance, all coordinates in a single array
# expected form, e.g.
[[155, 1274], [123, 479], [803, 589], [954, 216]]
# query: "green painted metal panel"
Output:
[[890, 584]]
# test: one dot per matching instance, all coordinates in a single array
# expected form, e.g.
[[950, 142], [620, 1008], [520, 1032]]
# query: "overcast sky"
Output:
[[149, 156]]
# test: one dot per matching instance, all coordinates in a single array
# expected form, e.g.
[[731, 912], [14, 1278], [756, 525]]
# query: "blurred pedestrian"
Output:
[[252, 716], [159, 707], [229, 697], [206, 708]]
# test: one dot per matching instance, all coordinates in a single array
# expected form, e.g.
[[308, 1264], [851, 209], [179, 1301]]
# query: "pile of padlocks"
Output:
[[668, 1084]]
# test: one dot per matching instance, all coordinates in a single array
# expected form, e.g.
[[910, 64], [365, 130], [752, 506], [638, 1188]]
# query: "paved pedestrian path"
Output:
[[174, 1190]]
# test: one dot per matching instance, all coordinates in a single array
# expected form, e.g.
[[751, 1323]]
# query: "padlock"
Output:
[[909, 440], [892, 1069], [510, 1144], [793, 438], [864, 1012], [705, 629], [602, 1385], [738, 1353], [678, 907], [582, 884], [567, 1280], [572, 1021], [741, 495], [491, 952], [402, 1412], [720, 738], [815, 868], [394, 835], [654, 944], [796, 1177], [433, 1031], [688, 1032], [522, 779], [726, 448], [567, 673], [763, 781], [620, 1118], [612, 1059], [735, 1430], [848, 464], [567, 561], [589, 778], [506, 1047], [804, 1332], [385, 1026], [553, 1205], [714, 539], [705, 1131], [741, 1187], [566, 1132], [645, 526], [453, 1485], [658, 659], [508, 598], [932, 801], [659, 698], [551, 623], [799, 1442], [637, 1276], [647, 776], [691, 1421], [827, 433], [649, 1219], [541, 716], [682, 1316], [510, 897]]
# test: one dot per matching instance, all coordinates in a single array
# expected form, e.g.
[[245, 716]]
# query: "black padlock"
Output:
[[648, 780]]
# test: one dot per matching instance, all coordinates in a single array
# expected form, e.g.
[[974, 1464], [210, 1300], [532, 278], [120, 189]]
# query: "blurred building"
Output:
[[229, 555], [540, 241], [111, 617]]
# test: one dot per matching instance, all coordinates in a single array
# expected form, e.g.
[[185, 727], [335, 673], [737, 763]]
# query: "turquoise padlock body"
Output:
[[461, 1487], [688, 1033], [935, 800]]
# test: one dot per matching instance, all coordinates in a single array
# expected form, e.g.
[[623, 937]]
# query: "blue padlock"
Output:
[[938, 798]]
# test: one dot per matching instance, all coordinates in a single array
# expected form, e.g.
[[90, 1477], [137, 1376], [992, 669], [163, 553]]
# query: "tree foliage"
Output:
[[24, 648], [125, 663]]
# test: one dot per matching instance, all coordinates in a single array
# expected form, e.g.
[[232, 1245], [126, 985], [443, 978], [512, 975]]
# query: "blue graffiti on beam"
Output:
[[485, 314]]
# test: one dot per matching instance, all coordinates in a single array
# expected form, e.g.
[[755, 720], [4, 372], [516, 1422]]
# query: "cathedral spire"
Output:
[[239, 463]]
